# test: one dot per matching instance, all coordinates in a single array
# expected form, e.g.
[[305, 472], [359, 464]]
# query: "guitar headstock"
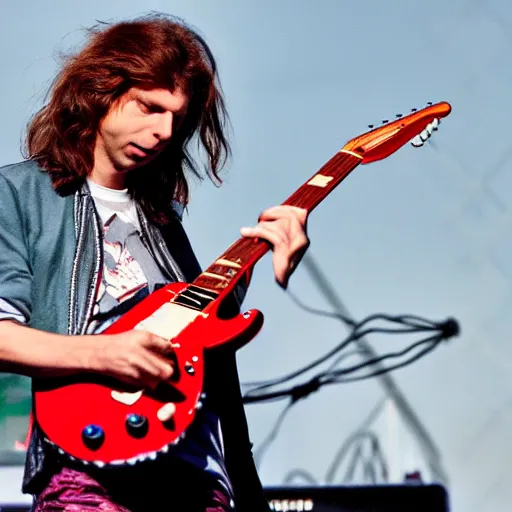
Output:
[[416, 127]]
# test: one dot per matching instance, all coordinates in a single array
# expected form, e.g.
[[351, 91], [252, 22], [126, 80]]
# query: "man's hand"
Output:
[[134, 357], [285, 228]]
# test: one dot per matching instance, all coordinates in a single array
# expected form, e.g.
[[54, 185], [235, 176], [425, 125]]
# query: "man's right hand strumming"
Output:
[[138, 358]]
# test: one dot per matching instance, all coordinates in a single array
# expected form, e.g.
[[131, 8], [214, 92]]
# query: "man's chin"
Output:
[[122, 170], [130, 165], [138, 162]]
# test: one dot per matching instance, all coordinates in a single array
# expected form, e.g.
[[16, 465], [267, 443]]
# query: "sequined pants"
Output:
[[71, 490]]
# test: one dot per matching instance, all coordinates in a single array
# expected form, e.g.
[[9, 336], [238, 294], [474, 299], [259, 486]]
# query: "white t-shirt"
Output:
[[124, 253]]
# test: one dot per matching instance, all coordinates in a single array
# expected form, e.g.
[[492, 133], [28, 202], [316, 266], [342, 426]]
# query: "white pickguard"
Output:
[[167, 321], [125, 397]]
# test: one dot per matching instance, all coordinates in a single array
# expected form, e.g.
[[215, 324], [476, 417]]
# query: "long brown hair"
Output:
[[151, 51]]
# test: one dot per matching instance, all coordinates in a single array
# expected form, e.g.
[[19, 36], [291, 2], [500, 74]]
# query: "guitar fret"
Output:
[[227, 272], [201, 299], [203, 291], [183, 300], [228, 263], [185, 296], [199, 294], [215, 276], [348, 152]]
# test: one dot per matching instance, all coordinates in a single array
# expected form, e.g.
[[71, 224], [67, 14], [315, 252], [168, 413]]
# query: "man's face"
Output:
[[135, 131]]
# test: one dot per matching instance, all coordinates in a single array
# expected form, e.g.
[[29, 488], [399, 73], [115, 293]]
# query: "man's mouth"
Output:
[[142, 151]]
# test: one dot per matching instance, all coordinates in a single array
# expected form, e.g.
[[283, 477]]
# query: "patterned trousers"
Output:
[[71, 490]]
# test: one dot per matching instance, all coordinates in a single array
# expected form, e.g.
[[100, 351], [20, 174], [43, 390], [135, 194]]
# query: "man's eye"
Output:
[[144, 107], [150, 108]]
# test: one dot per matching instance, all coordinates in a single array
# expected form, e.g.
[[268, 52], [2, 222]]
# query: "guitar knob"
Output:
[[93, 436], [137, 425], [189, 368]]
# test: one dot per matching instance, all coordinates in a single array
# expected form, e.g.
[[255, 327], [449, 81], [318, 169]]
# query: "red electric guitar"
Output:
[[98, 421]]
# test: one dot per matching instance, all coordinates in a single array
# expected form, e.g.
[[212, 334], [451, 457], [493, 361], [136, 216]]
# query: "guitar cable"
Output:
[[407, 324], [411, 324]]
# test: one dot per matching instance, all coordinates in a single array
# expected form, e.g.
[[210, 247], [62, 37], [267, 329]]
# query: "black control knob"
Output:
[[137, 425], [93, 436]]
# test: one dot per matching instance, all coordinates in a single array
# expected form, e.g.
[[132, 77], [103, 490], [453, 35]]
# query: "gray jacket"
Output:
[[50, 257]]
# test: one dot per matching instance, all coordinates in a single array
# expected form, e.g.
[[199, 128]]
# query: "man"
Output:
[[90, 225]]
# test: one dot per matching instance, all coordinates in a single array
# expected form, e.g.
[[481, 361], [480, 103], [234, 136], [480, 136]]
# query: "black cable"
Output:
[[319, 312], [433, 343], [354, 336], [342, 357], [302, 390], [299, 391], [448, 329], [410, 324], [390, 355]]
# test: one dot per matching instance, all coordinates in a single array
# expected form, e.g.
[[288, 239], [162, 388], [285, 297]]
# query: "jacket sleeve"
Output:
[[15, 266]]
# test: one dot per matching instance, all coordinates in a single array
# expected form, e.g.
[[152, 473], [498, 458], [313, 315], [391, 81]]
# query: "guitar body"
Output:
[[98, 421]]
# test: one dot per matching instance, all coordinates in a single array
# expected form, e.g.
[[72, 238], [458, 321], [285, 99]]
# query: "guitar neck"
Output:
[[238, 261]]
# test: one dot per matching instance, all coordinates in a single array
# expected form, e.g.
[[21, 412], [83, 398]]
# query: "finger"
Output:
[[281, 266], [159, 344], [150, 360], [267, 231], [156, 367], [280, 211], [292, 225], [135, 376], [285, 261]]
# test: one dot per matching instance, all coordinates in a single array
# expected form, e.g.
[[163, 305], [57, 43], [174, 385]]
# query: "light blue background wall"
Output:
[[425, 232]]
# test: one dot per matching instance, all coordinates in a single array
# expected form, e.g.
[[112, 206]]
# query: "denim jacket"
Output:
[[50, 261]]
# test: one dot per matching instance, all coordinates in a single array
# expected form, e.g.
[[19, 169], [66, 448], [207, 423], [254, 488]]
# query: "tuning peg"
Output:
[[399, 116], [371, 126], [414, 109], [422, 137], [384, 121], [429, 103]]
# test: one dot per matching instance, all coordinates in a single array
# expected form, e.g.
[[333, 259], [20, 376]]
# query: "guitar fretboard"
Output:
[[239, 259]]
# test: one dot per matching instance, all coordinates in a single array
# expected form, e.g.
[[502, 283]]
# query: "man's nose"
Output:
[[163, 129]]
